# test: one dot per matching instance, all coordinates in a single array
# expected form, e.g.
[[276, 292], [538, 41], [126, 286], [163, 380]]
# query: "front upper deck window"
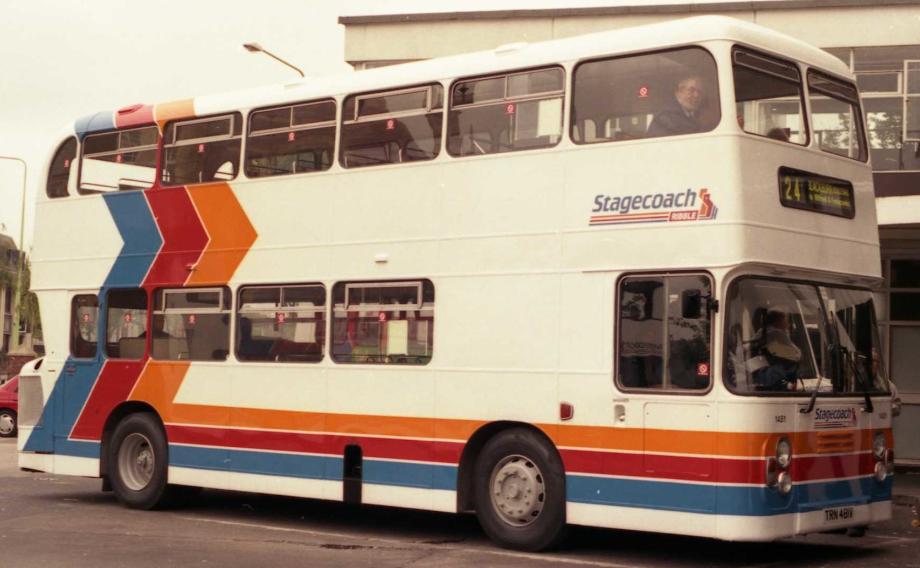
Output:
[[794, 338], [517, 111], [836, 118], [392, 127], [645, 96], [202, 150], [768, 97], [62, 174], [119, 160]]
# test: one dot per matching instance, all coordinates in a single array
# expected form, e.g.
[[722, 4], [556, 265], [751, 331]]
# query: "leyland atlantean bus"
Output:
[[619, 280]]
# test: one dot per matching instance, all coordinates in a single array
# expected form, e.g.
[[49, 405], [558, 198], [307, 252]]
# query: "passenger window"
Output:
[[191, 324], [84, 326], [281, 323], [62, 176], [202, 150], [291, 140], [768, 97], [664, 333], [518, 111], [836, 118], [119, 160], [645, 96], [126, 324], [392, 127], [383, 322]]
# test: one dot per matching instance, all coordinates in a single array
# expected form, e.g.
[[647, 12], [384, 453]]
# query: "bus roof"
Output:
[[515, 56]]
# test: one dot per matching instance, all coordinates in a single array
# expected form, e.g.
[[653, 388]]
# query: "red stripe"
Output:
[[328, 444], [184, 237], [692, 468], [112, 387]]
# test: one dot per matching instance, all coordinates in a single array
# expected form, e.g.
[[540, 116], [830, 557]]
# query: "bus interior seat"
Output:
[[131, 347]]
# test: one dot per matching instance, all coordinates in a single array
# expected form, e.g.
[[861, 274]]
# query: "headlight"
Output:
[[879, 445], [881, 471], [783, 453], [784, 482]]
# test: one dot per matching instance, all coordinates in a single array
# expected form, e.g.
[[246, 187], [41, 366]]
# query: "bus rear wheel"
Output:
[[520, 491], [137, 458]]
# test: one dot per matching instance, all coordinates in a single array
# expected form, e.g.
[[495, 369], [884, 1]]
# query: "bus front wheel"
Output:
[[137, 459], [520, 491]]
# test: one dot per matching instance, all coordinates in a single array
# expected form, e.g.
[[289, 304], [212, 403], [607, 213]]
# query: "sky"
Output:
[[60, 60]]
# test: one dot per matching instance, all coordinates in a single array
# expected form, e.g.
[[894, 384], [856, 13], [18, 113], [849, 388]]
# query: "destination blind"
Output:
[[813, 192]]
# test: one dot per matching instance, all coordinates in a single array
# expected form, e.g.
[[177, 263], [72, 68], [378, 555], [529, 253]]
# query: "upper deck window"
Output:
[[768, 97], [62, 174], [291, 140], [392, 126], [202, 150], [122, 159], [518, 111], [836, 118], [645, 96]]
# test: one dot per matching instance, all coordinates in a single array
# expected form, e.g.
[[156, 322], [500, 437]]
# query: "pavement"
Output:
[[907, 490]]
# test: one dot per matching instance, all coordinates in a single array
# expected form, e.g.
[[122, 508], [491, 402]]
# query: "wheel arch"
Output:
[[466, 502], [118, 414]]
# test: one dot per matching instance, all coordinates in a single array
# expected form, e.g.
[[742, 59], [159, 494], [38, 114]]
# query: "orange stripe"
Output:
[[164, 112], [231, 234]]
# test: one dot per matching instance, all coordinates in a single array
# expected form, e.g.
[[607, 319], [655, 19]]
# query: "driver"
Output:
[[782, 354]]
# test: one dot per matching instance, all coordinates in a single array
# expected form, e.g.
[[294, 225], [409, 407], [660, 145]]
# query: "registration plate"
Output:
[[837, 514]]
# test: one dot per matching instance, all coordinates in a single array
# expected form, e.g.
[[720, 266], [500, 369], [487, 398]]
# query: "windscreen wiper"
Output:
[[814, 396], [864, 383]]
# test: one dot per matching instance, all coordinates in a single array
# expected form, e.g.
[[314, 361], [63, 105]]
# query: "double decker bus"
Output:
[[619, 280]]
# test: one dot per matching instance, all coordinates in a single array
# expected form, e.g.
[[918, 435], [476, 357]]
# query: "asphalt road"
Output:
[[52, 521]]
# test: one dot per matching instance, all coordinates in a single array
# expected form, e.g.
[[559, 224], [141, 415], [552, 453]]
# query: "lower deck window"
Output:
[[126, 324], [664, 332], [191, 324], [383, 322], [281, 323], [84, 326]]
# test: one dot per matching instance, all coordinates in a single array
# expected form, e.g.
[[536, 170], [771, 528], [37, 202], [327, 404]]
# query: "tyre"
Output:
[[520, 491], [7, 423], [137, 462]]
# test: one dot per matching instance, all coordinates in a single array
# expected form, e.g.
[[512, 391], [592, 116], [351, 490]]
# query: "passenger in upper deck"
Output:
[[681, 115]]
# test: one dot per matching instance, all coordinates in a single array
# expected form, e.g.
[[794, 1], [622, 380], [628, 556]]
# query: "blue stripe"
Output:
[[104, 120], [724, 500], [139, 234]]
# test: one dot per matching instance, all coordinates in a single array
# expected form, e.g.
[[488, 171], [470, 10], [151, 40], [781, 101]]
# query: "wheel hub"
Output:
[[517, 490], [6, 423], [136, 461]]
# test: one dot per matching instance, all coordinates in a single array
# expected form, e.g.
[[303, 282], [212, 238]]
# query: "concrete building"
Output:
[[879, 40]]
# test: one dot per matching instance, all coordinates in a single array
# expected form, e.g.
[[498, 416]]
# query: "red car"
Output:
[[9, 405]]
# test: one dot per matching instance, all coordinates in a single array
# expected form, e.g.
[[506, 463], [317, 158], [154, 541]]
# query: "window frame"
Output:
[[804, 104], [618, 334], [164, 144], [73, 306], [506, 99], [859, 115], [573, 75], [239, 310], [155, 147], [248, 132]]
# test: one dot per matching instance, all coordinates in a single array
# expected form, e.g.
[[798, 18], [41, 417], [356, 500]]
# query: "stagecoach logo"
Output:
[[690, 205], [835, 418]]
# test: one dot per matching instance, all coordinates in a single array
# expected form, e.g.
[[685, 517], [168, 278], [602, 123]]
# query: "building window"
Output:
[[119, 160], [645, 96], [191, 324], [126, 324], [281, 323], [664, 333], [392, 127], [504, 113], [291, 140], [768, 97], [202, 150], [383, 322], [84, 326], [835, 115], [62, 174]]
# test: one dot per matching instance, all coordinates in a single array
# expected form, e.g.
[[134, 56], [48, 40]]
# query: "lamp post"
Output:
[[17, 296], [256, 48]]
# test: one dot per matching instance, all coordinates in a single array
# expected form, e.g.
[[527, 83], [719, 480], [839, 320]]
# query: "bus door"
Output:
[[664, 375]]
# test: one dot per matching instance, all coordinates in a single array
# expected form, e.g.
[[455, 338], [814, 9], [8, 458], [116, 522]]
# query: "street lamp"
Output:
[[256, 48], [17, 297]]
